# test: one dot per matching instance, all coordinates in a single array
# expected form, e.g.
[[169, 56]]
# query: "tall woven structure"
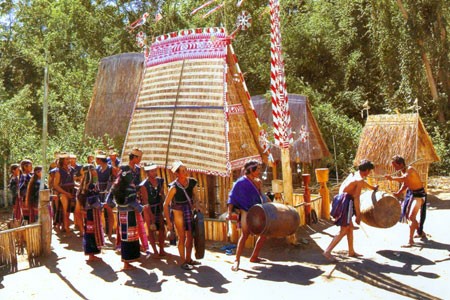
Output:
[[194, 106]]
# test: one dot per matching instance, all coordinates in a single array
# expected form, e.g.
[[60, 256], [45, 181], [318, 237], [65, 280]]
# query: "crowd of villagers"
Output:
[[125, 204]]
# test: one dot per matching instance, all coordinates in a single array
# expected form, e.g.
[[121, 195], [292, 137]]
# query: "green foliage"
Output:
[[340, 133]]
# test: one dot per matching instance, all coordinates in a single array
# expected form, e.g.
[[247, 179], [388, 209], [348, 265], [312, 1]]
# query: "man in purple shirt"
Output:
[[246, 192]]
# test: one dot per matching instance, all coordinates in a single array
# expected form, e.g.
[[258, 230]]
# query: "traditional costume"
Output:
[[342, 209], [14, 188], [33, 200], [21, 212], [67, 183], [105, 180], [128, 211], [155, 201], [93, 239], [245, 194], [183, 200], [406, 206]]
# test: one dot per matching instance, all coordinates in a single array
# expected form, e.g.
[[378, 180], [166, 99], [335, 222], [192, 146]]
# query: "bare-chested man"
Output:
[[64, 185], [349, 194], [415, 198]]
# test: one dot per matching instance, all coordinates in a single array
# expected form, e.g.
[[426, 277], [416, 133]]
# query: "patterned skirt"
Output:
[[129, 234]]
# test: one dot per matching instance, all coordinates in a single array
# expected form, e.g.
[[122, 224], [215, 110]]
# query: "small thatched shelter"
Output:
[[309, 144], [384, 136], [194, 106], [116, 88]]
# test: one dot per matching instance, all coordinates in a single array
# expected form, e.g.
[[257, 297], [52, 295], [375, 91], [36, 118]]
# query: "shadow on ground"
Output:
[[371, 272]]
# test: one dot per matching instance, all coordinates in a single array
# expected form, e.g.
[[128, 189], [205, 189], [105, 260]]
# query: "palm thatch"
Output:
[[384, 136], [194, 106], [309, 144], [115, 91]]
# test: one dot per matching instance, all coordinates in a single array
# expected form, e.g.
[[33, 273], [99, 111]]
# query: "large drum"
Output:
[[272, 219], [379, 209]]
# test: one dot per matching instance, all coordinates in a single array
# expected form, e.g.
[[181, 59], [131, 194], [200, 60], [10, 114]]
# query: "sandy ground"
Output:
[[386, 271]]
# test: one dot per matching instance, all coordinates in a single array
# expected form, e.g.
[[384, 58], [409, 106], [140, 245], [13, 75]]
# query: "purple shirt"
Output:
[[244, 194]]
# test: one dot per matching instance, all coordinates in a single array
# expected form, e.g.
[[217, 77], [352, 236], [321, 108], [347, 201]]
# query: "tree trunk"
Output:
[[444, 69], [425, 60]]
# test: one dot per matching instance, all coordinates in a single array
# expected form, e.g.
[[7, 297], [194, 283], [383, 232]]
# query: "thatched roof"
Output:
[[115, 91], [308, 141], [194, 106], [384, 136]]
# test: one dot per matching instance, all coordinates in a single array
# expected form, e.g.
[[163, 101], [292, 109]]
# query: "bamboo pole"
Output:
[[287, 175], [45, 221]]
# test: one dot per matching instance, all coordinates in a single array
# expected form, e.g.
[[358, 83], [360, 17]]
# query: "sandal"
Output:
[[187, 267], [194, 263]]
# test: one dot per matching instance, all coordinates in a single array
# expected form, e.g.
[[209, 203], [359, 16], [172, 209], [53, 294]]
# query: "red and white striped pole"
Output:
[[280, 108]]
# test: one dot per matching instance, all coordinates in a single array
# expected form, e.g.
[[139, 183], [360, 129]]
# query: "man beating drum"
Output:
[[245, 193], [415, 198], [349, 202]]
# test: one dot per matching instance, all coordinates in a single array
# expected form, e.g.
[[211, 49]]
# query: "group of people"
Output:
[[24, 185], [349, 198], [92, 191]]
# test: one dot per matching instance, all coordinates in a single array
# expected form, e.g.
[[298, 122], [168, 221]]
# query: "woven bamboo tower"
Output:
[[193, 106]]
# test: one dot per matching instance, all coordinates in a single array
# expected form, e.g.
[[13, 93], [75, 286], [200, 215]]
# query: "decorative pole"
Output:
[[280, 108]]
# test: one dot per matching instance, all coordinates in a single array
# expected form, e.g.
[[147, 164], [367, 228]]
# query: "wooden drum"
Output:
[[379, 209], [273, 219]]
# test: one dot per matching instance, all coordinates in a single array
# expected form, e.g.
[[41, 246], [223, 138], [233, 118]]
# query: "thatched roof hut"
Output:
[[116, 88], [309, 144], [384, 136], [194, 106]]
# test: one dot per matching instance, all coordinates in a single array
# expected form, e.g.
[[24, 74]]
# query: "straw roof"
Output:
[[384, 136], [194, 106], [115, 91], [308, 143]]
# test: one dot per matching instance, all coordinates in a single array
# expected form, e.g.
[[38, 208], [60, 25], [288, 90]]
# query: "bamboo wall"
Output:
[[217, 230], [14, 242]]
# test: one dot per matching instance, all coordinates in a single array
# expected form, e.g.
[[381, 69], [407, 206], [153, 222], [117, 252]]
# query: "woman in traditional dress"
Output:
[[180, 200], [14, 188], [88, 198], [32, 196], [124, 191], [152, 197]]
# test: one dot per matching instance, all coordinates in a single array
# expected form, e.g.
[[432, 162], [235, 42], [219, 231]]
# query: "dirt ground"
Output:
[[386, 270]]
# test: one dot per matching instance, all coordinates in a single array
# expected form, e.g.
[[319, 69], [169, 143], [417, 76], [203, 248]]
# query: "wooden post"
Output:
[[211, 195], [307, 197], [46, 221], [274, 170], [322, 178], [287, 175]]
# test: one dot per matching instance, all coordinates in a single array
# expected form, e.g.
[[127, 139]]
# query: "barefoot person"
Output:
[[180, 199], [105, 181], [246, 192], [348, 197], [415, 198], [152, 197], [64, 185]]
